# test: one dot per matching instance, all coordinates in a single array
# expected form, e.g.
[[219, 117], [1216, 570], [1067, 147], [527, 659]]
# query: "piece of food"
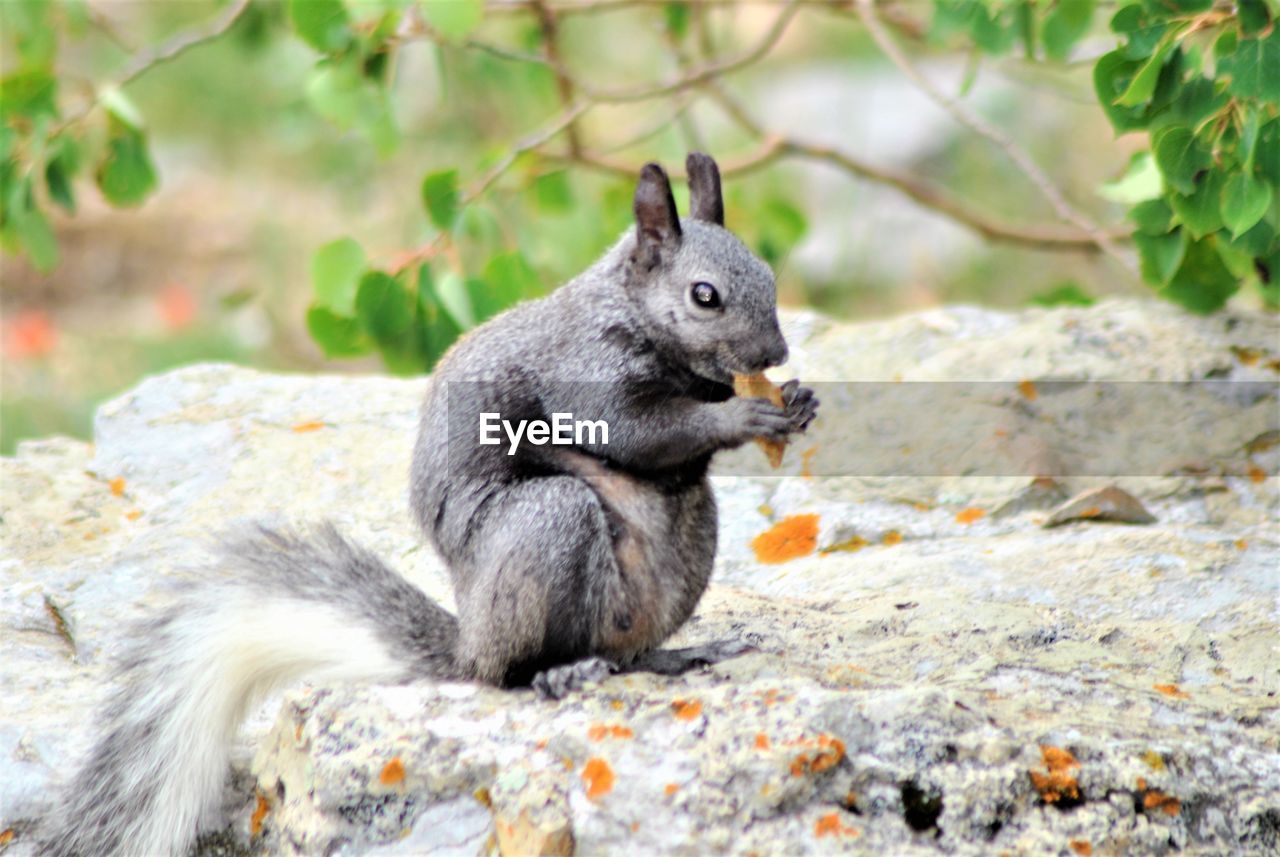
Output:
[[757, 386]]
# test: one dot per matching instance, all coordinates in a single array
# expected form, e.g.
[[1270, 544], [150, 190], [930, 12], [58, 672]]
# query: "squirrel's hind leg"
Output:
[[539, 588]]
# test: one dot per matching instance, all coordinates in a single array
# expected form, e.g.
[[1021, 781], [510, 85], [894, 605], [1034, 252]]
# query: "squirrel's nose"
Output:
[[774, 354]]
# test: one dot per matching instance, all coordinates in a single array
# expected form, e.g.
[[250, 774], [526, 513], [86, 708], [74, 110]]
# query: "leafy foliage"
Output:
[[1203, 80], [1199, 78]]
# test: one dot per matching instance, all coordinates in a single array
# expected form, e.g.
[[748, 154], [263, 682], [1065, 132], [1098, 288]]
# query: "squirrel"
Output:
[[568, 562]]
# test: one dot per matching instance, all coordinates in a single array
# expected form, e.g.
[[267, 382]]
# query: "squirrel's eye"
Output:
[[705, 295]]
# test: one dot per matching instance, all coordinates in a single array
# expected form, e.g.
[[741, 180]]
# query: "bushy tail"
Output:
[[297, 605]]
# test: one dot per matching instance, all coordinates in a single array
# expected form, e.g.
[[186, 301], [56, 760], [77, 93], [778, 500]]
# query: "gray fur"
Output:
[[558, 555]]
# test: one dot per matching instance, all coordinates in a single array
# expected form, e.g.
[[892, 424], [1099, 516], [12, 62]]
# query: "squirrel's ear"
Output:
[[705, 200], [657, 223]]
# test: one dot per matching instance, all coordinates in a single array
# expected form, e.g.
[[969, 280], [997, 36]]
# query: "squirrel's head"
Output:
[[701, 293]]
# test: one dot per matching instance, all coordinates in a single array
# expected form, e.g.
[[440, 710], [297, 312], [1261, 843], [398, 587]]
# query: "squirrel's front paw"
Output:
[[748, 418], [800, 403]]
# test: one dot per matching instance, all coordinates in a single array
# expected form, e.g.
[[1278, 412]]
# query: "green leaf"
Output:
[[677, 18], [1140, 181], [440, 197], [437, 328], [552, 192], [1201, 212], [1254, 68], [125, 174], [452, 292], [1267, 152], [1064, 294], [507, 279], [1180, 158], [781, 226], [1143, 84], [1257, 241], [1141, 30], [1160, 255], [37, 239], [30, 93], [455, 19], [1153, 216], [1066, 24], [384, 309], [335, 275], [338, 336], [1254, 16], [1245, 200], [58, 183], [322, 24], [63, 163], [121, 108], [1203, 283], [1249, 128], [1111, 76]]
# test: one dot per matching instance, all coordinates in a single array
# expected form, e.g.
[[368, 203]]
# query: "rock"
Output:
[[1101, 504], [934, 672]]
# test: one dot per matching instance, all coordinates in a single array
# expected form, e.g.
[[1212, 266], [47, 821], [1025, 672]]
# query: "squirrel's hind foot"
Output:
[[557, 682]]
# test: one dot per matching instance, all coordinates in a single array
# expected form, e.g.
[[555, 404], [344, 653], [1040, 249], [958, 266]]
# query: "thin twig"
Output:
[[871, 20], [705, 73], [160, 54], [565, 85], [533, 141]]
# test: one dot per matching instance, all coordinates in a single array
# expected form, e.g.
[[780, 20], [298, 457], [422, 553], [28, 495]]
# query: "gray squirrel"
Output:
[[568, 562]]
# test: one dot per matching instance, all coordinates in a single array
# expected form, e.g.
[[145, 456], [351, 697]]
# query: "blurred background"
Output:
[[281, 149]]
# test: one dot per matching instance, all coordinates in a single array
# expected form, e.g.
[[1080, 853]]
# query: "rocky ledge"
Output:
[[937, 671]]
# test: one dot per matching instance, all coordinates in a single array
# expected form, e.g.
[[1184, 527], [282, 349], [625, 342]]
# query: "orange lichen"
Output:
[[831, 825], [259, 815], [635, 826], [1247, 356], [483, 797], [6, 836], [686, 709], [598, 776], [1256, 473], [850, 545], [671, 788], [117, 486], [828, 754], [600, 731], [616, 704], [1028, 390], [1057, 781], [1081, 847], [1241, 544], [762, 741], [303, 428], [970, 514], [542, 744], [1172, 691], [1156, 799], [392, 772], [1091, 512], [790, 538], [891, 538], [133, 514]]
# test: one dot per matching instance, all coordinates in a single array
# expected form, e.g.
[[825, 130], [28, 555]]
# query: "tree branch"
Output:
[[160, 54], [871, 20]]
